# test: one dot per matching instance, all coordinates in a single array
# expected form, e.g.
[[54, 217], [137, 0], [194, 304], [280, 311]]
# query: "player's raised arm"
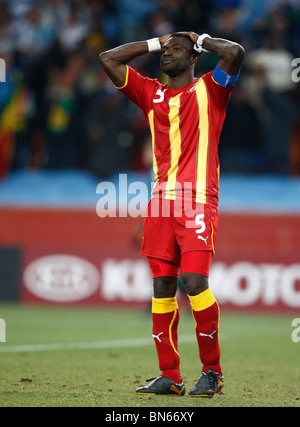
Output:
[[114, 61], [231, 54]]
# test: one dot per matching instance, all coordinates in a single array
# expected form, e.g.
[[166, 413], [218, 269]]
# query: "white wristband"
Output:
[[198, 46], [154, 45]]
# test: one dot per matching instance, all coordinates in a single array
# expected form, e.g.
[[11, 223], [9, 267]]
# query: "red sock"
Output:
[[165, 316], [206, 314]]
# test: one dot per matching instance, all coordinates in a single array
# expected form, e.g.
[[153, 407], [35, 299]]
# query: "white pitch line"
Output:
[[97, 345]]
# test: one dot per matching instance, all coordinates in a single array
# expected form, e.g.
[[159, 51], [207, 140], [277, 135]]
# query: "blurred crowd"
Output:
[[58, 110]]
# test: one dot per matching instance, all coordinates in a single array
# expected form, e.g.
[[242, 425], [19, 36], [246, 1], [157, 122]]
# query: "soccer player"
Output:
[[185, 117]]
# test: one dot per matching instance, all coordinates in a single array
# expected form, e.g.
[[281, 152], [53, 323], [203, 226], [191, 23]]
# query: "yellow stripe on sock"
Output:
[[164, 305], [170, 332], [202, 301]]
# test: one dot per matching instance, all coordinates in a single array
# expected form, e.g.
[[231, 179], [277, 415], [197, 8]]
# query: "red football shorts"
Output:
[[182, 239]]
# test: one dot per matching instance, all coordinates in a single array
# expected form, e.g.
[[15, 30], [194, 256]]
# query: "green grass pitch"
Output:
[[97, 357]]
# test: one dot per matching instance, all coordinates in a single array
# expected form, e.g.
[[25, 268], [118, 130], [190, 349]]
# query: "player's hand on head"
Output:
[[193, 36], [164, 39]]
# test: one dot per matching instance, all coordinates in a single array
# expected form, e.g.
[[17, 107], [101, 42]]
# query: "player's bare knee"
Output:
[[165, 287], [194, 283]]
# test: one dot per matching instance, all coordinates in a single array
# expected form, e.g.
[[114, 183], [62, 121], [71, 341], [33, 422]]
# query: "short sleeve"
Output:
[[138, 89], [219, 93]]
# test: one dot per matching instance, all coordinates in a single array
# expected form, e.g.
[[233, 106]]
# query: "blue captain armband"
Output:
[[221, 78]]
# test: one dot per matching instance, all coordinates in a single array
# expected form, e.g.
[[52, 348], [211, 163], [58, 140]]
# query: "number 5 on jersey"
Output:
[[161, 94]]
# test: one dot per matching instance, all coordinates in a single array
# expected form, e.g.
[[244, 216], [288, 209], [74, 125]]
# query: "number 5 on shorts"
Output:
[[199, 221]]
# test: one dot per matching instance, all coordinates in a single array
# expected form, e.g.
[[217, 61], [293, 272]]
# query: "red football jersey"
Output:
[[185, 125]]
